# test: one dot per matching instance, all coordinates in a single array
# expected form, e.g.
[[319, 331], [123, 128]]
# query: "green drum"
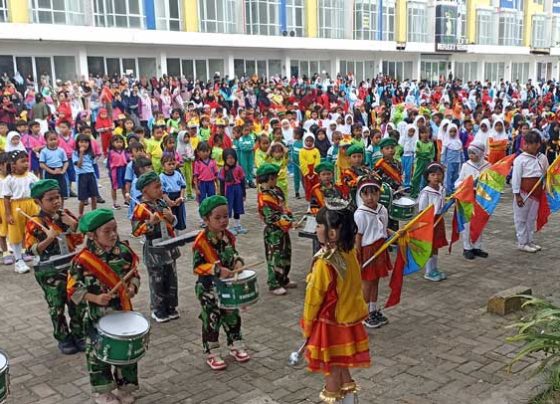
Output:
[[238, 292], [386, 197], [402, 209], [4, 376], [122, 338]]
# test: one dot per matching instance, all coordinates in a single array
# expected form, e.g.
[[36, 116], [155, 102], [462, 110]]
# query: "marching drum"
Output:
[[122, 338], [237, 291], [59, 262], [4, 376], [402, 209], [386, 197], [310, 228], [176, 241]]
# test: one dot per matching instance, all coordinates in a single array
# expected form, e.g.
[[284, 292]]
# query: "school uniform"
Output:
[[68, 145], [205, 173], [172, 184], [55, 158], [429, 196], [85, 177], [233, 183]]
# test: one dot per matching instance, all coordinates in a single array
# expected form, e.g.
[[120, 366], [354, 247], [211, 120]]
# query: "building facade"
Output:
[[416, 39]]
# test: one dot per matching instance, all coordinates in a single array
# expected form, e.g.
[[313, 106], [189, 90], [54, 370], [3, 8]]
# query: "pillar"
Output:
[[190, 15], [161, 61], [311, 10], [18, 11], [82, 65]]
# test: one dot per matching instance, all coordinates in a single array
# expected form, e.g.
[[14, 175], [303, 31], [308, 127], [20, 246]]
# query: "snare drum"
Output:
[[310, 228], [402, 209], [4, 376], [122, 338], [386, 197], [234, 293]]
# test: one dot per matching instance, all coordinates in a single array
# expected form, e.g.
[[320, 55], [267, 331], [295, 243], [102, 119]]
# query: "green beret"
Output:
[[39, 188], [355, 149], [387, 141], [210, 203], [146, 179], [324, 166], [268, 168], [93, 220]]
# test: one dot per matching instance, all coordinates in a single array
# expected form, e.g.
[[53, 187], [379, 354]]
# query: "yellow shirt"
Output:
[[308, 156], [2, 143], [260, 157], [156, 152]]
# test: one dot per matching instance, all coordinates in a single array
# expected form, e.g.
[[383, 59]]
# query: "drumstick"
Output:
[[121, 282], [21, 212], [237, 271]]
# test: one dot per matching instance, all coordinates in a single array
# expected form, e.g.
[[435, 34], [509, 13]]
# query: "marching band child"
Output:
[[333, 312], [349, 177], [41, 235], [232, 180], [215, 257], [93, 273], [148, 219], [325, 189], [140, 165], [528, 169], [116, 163], [174, 185], [434, 194], [371, 220], [278, 221], [309, 157], [390, 170]]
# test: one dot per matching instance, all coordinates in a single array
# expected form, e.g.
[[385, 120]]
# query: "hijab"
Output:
[[452, 143], [322, 145], [9, 146]]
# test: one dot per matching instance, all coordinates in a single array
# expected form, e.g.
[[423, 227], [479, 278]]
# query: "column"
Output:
[[150, 12], [82, 65], [311, 10], [471, 21], [18, 11], [161, 61], [190, 15], [230, 66], [507, 70], [287, 67], [400, 20], [348, 20]]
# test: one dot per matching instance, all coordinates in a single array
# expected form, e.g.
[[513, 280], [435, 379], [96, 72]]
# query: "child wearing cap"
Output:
[[215, 257], [390, 171], [95, 270], [349, 177], [152, 218], [309, 157], [41, 240], [278, 222]]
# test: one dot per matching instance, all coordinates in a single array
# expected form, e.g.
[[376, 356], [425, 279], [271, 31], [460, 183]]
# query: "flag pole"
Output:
[[533, 189]]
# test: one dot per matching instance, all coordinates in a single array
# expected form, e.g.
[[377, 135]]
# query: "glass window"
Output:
[[113, 66], [398, 70], [388, 28], [544, 71], [96, 65], [555, 31], [24, 66], [65, 67], [365, 19], [275, 67], [129, 67], [147, 67], [68, 12], [43, 68], [432, 70], [216, 66], [295, 17], [540, 36], [7, 66], [484, 28], [239, 67], [494, 71], [118, 13], [217, 16], [168, 15], [520, 71], [262, 17], [465, 71], [201, 70], [331, 18], [510, 28], [173, 67], [4, 11], [417, 22], [188, 69]]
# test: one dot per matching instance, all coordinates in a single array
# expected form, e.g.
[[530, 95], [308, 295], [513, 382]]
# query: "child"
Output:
[[434, 194], [215, 257], [452, 157], [83, 160], [168, 145], [13, 142], [296, 147], [408, 144], [154, 149], [424, 155], [371, 220], [54, 162], [528, 168], [278, 155], [34, 143], [244, 146], [104, 127], [93, 273], [333, 311], [186, 146], [3, 136], [309, 157], [174, 185], [497, 142], [466, 136], [373, 151], [232, 180], [472, 167], [96, 152], [218, 151], [173, 122], [141, 165], [67, 143], [151, 218], [278, 221], [7, 257], [332, 153], [116, 163], [204, 131], [263, 144], [349, 177], [390, 171], [44, 244], [205, 173], [17, 196]]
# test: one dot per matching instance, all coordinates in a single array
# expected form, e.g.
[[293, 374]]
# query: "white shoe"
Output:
[[535, 246], [279, 291], [527, 248], [21, 267], [124, 397], [105, 398]]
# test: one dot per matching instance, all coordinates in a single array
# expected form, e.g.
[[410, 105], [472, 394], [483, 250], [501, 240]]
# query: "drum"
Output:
[[176, 241], [122, 338], [237, 292], [386, 197], [310, 228], [402, 209], [4, 376], [59, 262]]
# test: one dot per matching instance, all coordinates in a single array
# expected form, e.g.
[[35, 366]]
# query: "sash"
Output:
[[388, 169], [141, 214], [203, 246], [33, 225]]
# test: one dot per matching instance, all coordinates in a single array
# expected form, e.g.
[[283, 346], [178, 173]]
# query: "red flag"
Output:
[[544, 211], [464, 208]]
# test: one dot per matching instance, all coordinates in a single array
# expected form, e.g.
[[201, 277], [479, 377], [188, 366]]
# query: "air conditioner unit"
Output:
[[401, 45]]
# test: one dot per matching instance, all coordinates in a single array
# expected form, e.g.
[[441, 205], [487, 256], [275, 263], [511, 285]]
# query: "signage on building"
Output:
[[556, 6], [448, 28]]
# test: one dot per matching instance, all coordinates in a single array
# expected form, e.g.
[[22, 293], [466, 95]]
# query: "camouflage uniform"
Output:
[[393, 224], [53, 280], [207, 249], [319, 195], [278, 248], [103, 377]]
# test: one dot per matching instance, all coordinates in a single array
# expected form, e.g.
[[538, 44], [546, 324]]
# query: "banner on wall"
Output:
[[556, 6], [448, 28]]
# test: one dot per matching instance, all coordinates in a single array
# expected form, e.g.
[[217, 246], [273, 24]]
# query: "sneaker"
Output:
[[468, 254], [239, 353], [527, 248], [290, 285], [159, 318], [173, 314], [215, 362], [80, 344], [442, 275], [126, 203], [116, 206], [279, 291], [21, 267], [535, 246], [125, 397], [100, 200], [8, 259], [433, 276], [233, 230], [241, 230], [105, 398], [67, 347], [372, 321], [382, 319], [298, 196], [73, 194], [479, 253]]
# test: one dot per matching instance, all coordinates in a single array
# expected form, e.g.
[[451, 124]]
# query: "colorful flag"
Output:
[[464, 208], [552, 186], [414, 250], [491, 183]]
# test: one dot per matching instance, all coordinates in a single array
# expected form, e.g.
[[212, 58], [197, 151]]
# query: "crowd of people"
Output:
[[349, 148]]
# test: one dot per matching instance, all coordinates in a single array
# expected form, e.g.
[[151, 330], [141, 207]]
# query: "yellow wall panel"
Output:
[[190, 12], [18, 11], [311, 8]]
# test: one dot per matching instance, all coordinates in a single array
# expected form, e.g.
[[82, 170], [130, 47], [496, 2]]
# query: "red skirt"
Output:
[[440, 239], [379, 267]]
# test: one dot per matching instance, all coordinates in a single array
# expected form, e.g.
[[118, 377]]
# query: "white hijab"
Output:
[[9, 146], [452, 143]]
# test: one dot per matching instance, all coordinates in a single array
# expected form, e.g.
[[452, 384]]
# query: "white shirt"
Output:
[[429, 196], [469, 168], [372, 224], [18, 186], [527, 166]]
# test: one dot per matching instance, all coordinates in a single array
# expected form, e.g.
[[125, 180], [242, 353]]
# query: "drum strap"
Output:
[[388, 169], [203, 246], [105, 274]]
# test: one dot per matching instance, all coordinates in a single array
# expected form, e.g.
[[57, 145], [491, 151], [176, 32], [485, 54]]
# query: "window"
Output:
[[540, 36], [7, 65], [248, 67], [275, 67], [520, 71], [262, 17], [484, 27], [365, 19], [362, 69], [65, 68], [510, 28], [295, 17], [388, 28], [555, 31], [147, 67], [462, 24], [96, 65], [217, 16], [3, 11], [465, 71], [174, 67], [168, 15], [494, 71], [417, 22], [331, 19], [68, 12], [398, 70], [308, 68], [544, 71], [432, 70], [118, 13]]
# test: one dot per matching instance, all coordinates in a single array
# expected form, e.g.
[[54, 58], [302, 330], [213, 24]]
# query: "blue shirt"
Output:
[[172, 183], [87, 163], [129, 175], [135, 195], [53, 158]]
